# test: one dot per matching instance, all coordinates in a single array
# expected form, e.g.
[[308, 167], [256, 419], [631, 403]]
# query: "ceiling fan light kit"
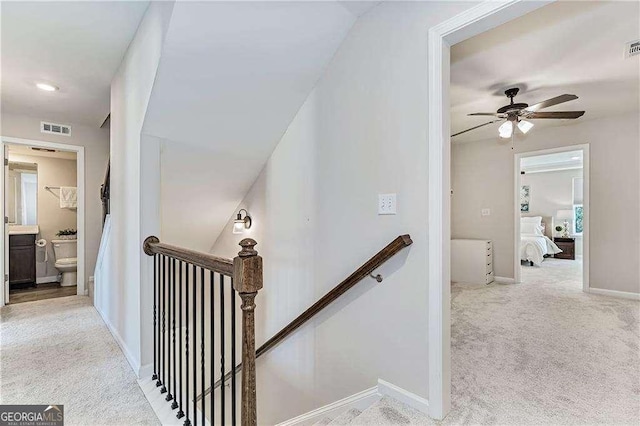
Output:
[[519, 113], [525, 126], [506, 130]]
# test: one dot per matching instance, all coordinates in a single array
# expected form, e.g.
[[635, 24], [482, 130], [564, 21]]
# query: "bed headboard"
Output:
[[547, 224]]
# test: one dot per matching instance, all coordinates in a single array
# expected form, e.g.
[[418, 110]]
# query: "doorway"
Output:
[[551, 216], [43, 204], [472, 22]]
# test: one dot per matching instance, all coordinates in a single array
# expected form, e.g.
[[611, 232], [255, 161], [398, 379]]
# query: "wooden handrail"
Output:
[[105, 193], [362, 272], [106, 184], [204, 260]]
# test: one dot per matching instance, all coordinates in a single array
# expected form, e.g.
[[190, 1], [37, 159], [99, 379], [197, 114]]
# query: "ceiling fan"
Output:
[[516, 113]]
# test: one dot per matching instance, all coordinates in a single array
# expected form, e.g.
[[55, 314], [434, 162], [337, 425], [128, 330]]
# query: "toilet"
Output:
[[66, 253]]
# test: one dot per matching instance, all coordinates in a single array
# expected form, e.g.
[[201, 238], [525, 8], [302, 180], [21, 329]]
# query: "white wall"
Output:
[[195, 202], [482, 177], [552, 191], [50, 217], [361, 132], [96, 156], [126, 299]]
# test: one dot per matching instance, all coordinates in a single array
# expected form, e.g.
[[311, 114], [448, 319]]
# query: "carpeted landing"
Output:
[[544, 352], [540, 352], [59, 351]]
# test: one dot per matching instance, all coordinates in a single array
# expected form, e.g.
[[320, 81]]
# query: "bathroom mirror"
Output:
[[22, 195]]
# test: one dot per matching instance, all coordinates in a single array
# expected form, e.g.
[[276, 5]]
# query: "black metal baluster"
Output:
[[233, 352], [155, 295], [163, 375], [174, 404], [186, 344], [202, 387], [179, 395], [212, 347], [159, 381], [167, 382], [222, 369], [195, 334]]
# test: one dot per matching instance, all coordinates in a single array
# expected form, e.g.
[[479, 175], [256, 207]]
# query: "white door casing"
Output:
[[79, 150], [5, 230], [478, 19]]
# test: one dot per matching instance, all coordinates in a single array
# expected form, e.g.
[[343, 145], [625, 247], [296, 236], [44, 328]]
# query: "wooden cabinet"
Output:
[[568, 247], [22, 259]]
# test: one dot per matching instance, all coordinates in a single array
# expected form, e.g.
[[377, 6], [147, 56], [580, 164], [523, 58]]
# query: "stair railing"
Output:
[[196, 278], [105, 193], [366, 270]]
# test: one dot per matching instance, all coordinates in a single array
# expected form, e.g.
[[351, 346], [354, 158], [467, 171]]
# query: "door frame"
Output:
[[517, 269], [80, 178], [478, 19]]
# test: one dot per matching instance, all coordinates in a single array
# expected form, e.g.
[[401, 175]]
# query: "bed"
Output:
[[535, 239]]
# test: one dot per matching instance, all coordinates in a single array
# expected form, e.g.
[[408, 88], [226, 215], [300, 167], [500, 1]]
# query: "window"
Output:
[[578, 189], [577, 219]]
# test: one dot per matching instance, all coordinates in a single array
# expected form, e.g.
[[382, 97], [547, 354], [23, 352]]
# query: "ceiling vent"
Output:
[[55, 129], [632, 49]]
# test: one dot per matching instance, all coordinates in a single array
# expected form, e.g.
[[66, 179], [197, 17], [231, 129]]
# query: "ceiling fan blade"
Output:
[[551, 102], [491, 114], [476, 127], [556, 114]]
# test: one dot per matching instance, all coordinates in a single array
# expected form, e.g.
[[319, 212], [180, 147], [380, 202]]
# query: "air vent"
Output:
[[55, 129], [632, 49]]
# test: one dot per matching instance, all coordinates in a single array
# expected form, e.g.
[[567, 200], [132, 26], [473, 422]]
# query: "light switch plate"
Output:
[[386, 204], [486, 212]]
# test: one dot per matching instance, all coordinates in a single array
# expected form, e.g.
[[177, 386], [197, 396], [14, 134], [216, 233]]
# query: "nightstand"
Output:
[[568, 247]]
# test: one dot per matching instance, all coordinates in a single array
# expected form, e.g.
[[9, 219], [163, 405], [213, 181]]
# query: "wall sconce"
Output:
[[240, 223]]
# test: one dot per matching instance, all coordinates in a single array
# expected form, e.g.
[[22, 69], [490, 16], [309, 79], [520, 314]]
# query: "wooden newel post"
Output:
[[247, 280]]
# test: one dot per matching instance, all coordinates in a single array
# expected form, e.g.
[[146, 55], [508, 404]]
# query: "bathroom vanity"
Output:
[[22, 260], [22, 217]]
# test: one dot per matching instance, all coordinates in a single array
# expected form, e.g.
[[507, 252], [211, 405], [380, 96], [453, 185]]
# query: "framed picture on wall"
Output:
[[525, 195]]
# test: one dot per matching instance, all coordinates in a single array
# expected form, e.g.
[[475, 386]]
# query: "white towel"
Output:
[[68, 197]]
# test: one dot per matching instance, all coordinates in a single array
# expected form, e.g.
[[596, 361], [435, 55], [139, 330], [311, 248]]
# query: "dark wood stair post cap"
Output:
[[247, 268], [248, 245]]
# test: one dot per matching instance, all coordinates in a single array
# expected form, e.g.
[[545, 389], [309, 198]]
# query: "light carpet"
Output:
[[544, 352], [59, 351]]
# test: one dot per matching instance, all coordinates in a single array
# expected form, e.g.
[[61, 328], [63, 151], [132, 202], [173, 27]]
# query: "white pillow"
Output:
[[532, 219], [530, 228]]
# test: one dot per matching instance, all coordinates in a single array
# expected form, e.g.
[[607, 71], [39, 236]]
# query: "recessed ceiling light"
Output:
[[47, 87]]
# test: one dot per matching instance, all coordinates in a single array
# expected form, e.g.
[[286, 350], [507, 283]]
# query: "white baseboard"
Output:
[[404, 396], [361, 401], [162, 407], [504, 280], [615, 293], [44, 280], [135, 365]]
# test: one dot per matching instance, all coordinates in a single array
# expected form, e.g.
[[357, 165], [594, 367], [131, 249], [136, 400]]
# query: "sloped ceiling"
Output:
[[564, 47], [231, 78]]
